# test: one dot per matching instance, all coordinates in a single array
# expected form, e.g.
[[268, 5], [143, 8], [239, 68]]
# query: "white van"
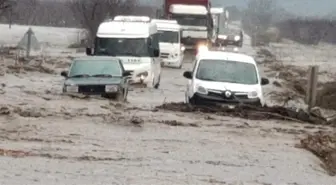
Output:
[[133, 39], [220, 77], [171, 49]]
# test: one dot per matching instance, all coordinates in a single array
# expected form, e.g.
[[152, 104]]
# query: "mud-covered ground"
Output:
[[49, 138]]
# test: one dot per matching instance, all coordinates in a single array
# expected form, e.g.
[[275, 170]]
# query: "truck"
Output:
[[171, 49], [218, 19], [195, 19]]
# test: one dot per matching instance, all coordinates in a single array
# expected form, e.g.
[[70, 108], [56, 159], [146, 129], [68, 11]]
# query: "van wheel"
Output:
[[157, 85], [125, 94]]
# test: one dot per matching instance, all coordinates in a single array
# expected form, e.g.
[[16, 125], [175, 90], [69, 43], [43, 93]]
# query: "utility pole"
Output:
[[312, 86], [29, 35]]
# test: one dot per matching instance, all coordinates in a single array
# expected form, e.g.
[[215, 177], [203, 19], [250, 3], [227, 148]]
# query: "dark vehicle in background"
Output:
[[97, 75], [229, 36]]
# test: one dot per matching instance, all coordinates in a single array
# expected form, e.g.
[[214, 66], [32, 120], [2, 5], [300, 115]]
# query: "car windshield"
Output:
[[227, 71], [169, 36], [98, 68], [190, 20], [122, 47]]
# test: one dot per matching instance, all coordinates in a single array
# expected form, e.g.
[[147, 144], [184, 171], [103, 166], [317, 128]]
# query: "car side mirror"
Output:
[[89, 51], [156, 52], [264, 81], [127, 73], [64, 74], [187, 74]]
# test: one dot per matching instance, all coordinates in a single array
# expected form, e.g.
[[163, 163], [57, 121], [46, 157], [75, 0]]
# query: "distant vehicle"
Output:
[[97, 75], [171, 48], [135, 40], [195, 19], [229, 36], [218, 17], [225, 78]]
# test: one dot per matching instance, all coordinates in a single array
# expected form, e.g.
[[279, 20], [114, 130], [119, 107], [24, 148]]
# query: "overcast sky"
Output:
[[300, 7]]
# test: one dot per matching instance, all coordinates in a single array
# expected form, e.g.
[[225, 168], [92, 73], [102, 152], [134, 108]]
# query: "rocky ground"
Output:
[[50, 138]]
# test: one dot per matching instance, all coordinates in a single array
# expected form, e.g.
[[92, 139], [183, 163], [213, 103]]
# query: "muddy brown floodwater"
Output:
[[49, 138]]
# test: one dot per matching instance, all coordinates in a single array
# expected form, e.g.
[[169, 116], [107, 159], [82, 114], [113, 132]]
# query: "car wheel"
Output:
[[109, 96], [120, 97], [157, 85], [126, 94], [259, 104], [192, 101]]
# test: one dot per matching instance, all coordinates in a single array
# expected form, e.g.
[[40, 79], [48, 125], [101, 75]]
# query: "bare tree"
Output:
[[90, 13], [5, 5], [28, 10]]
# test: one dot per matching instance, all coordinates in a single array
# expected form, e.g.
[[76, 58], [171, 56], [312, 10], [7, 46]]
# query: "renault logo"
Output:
[[228, 94]]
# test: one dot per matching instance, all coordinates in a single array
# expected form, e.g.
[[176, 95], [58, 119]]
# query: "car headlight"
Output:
[[71, 88], [111, 88], [143, 75], [252, 94], [202, 48], [236, 38], [201, 90]]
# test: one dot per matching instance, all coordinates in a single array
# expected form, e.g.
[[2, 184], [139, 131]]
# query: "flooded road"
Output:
[[48, 138]]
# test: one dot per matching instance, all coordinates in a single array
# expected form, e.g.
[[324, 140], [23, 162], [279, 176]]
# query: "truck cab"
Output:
[[196, 23], [133, 39], [171, 48], [218, 20]]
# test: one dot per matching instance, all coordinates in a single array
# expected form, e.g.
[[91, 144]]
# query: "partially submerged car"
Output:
[[97, 75], [229, 36], [225, 78]]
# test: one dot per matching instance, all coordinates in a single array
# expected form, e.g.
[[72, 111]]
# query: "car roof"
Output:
[[94, 58], [225, 55]]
